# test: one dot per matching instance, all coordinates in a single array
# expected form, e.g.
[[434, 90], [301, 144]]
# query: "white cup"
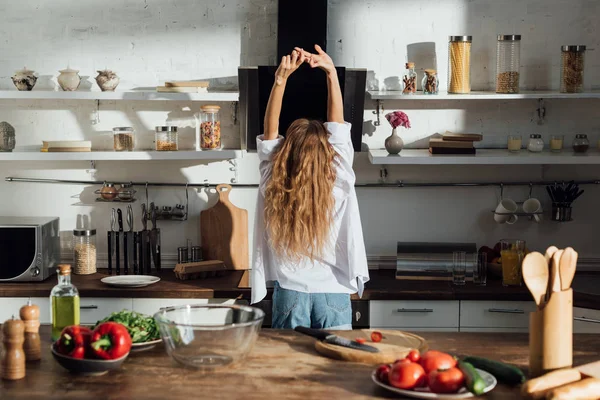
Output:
[[531, 206], [505, 212]]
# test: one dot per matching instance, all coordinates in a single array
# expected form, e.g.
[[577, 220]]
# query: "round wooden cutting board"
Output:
[[395, 345]]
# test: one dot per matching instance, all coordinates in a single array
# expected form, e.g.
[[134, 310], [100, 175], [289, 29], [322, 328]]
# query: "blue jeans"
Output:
[[313, 310]]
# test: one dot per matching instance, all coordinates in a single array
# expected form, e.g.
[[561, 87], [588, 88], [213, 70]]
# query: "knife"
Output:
[[154, 244], [135, 253], [120, 220], [142, 237], [128, 240], [113, 219], [328, 337]]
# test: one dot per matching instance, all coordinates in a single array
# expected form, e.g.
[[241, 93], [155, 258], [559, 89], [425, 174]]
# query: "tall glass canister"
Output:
[[459, 64], [508, 58], [571, 71], [210, 128]]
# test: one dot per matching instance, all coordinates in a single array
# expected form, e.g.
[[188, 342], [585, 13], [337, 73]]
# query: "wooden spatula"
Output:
[[535, 275], [568, 264], [554, 282], [549, 253]]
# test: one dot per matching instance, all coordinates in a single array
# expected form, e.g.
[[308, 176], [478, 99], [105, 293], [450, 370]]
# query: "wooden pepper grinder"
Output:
[[13, 359], [30, 314]]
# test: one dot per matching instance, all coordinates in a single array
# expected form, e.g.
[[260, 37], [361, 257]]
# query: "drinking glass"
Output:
[[480, 269], [512, 253], [459, 267]]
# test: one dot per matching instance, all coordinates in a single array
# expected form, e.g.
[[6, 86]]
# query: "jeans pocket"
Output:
[[338, 301], [285, 301]]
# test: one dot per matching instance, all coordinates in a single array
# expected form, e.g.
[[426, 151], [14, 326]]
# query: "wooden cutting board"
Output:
[[590, 370], [224, 232], [395, 345]]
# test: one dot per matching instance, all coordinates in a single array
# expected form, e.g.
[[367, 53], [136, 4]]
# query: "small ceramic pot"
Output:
[[7, 137], [394, 143], [107, 80], [24, 79], [69, 79]]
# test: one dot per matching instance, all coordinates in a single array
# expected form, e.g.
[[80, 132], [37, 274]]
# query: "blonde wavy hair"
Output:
[[299, 196]]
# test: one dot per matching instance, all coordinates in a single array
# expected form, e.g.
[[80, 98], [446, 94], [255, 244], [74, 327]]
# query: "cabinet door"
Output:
[[10, 306], [152, 306], [414, 314], [495, 314], [586, 320], [93, 309]]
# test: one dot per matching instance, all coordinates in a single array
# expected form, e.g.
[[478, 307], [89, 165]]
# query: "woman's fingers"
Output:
[[294, 58], [319, 49]]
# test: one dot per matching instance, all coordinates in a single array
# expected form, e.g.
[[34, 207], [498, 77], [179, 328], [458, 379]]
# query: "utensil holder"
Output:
[[561, 213], [551, 335]]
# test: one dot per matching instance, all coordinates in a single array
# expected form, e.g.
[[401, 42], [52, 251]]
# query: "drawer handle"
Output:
[[506, 310], [92, 307], [415, 310], [584, 319]]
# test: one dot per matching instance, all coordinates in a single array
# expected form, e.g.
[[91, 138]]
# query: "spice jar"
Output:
[[556, 143], [514, 143], [508, 55], [410, 79], [536, 143], [126, 192], [210, 128], [581, 144], [571, 72], [84, 251], [123, 138], [430, 82], [108, 191], [459, 64], [166, 138]]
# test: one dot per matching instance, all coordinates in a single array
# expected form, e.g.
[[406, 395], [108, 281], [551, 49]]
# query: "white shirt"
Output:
[[343, 267]]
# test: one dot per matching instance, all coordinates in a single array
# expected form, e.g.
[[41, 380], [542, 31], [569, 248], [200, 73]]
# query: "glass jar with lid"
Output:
[[536, 143], [581, 144], [508, 58], [430, 83], [84, 251], [571, 71], [210, 128], [124, 138], [410, 79], [459, 64], [166, 138]]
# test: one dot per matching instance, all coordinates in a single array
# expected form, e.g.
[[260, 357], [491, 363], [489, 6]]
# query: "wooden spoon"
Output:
[[554, 283], [568, 264], [535, 275], [549, 253]]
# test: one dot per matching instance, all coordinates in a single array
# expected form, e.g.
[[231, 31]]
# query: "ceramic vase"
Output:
[[69, 79], [394, 143], [24, 79], [107, 80]]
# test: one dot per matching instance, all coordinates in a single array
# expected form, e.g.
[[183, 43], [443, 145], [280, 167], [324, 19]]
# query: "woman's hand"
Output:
[[321, 59], [288, 65]]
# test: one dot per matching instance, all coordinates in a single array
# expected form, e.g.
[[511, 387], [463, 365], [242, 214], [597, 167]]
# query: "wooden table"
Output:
[[283, 365]]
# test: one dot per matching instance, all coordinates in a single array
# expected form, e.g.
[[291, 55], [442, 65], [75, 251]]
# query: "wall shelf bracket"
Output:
[[377, 111]]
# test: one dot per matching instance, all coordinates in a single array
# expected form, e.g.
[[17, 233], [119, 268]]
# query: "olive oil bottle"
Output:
[[64, 302]]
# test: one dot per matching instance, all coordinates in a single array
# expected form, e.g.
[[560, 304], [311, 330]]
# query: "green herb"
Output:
[[142, 328]]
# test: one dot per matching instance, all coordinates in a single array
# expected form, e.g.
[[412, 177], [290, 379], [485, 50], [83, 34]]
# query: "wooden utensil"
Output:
[[224, 232], [554, 283], [568, 264], [590, 370], [12, 363], [549, 253], [395, 345], [30, 315], [535, 275]]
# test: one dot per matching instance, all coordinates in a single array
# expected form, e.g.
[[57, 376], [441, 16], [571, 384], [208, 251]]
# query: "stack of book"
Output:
[[454, 143], [184, 87]]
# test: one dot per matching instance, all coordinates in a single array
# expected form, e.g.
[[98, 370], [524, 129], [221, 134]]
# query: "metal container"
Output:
[[196, 253], [431, 261], [182, 255], [508, 58], [166, 138], [459, 64]]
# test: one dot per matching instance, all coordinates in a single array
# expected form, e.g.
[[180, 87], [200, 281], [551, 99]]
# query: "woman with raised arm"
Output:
[[308, 234]]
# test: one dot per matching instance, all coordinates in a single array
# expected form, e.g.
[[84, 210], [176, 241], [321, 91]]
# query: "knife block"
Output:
[[551, 334]]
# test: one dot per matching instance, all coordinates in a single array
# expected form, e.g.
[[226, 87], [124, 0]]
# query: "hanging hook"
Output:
[[147, 199], [501, 191], [530, 189], [187, 201]]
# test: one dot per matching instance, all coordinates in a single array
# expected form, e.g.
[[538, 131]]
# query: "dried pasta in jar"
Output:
[[210, 128]]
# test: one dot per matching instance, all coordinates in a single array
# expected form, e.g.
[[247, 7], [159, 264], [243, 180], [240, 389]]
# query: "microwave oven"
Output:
[[29, 248]]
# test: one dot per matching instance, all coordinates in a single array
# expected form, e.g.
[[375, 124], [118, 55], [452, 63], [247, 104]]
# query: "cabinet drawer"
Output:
[[586, 320], [12, 305], [495, 314], [93, 309], [152, 306], [414, 314]]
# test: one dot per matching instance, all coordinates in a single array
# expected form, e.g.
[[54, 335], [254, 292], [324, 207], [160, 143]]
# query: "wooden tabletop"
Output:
[[283, 365]]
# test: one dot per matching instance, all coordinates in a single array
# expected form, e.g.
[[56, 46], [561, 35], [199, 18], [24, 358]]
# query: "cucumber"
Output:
[[507, 374], [473, 380]]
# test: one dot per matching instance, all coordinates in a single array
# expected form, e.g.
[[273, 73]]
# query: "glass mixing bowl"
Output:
[[209, 336]]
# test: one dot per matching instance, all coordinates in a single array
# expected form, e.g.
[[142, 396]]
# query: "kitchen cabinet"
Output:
[[495, 316], [441, 316], [93, 309], [10, 306], [586, 320]]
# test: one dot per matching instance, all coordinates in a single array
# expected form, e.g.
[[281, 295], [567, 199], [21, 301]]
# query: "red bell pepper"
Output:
[[110, 340], [73, 341]]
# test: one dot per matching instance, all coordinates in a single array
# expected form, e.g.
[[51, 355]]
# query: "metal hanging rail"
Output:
[[397, 184]]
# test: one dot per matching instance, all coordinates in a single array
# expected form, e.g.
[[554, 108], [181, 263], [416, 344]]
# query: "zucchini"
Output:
[[507, 374], [473, 380]]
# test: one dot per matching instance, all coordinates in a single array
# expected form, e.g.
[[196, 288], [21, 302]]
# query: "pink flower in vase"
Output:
[[398, 118]]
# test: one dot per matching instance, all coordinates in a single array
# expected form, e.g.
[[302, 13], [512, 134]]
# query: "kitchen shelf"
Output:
[[483, 157], [126, 95], [122, 156], [397, 95]]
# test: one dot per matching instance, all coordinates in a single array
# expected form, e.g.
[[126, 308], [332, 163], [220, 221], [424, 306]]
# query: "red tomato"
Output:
[[376, 336], [402, 361], [407, 375], [414, 356], [360, 340], [433, 360], [446, 381], [382, 373]]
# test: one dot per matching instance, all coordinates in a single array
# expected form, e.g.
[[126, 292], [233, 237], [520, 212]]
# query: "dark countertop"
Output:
[[282, 365], [382, 286]]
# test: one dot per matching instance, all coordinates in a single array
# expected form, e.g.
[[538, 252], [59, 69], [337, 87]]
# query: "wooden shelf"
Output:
[[122, 156], [397, 95], [484, 157], [125, 96]]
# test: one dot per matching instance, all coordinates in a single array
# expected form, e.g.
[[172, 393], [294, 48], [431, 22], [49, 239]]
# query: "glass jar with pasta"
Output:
[[571, 72], [210, 128], [459, 64]]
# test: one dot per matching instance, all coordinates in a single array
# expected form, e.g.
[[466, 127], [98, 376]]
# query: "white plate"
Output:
[[130, 281], [424, 393], [135, 347]]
